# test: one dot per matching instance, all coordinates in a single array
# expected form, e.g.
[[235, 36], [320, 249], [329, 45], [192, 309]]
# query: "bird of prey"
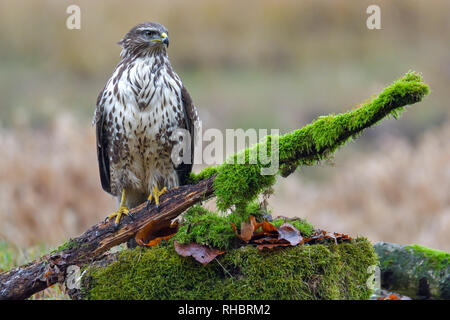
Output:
[[138, 113]]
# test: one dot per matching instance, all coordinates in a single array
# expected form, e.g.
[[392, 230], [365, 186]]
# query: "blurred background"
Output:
[[247, 64]]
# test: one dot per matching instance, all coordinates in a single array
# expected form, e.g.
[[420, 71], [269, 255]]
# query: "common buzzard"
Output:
[[139, 112]]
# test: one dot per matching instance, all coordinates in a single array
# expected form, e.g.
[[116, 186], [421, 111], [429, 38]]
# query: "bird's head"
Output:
[[146, 37]]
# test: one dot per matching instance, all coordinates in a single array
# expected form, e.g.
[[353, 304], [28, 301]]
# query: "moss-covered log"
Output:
[[321, 271], [233, 184], [414, 271]]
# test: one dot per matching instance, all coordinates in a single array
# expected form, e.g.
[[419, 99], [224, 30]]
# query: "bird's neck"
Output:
[[155, 59], [143, 52]]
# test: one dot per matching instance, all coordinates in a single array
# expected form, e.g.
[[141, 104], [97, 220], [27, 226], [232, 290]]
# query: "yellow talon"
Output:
[[156, 194], [118, 214], [121, 211]]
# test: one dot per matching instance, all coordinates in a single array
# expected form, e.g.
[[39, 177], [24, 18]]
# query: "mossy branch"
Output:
[[238, 184]]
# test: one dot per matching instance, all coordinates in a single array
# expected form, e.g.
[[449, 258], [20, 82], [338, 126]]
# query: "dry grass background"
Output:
[[263, 64], [49, 187]]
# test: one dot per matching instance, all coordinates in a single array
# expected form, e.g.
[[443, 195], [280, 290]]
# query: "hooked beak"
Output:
[[165, 39]]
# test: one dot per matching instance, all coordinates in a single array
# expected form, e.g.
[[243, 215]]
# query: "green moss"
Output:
[[69, 244], [204, 174], [237, 184], [305, 228], [302, 272], [208, 228], [386, 263], [415, 271], [436, 259]]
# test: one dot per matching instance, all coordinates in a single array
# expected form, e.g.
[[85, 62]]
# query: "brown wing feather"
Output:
[[190, 116], [102, 147]]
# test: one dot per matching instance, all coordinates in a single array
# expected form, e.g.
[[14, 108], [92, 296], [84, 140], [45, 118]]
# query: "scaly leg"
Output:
[[156, 193], [122, 210]]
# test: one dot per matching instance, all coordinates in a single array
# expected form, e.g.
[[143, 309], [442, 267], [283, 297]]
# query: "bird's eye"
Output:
[[148, 33]]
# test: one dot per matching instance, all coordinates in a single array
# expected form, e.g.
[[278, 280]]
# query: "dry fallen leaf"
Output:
[[390, 297], [289, 233], [247, 229], [269, 228], [321, 234], [270, 237], [201, 253], [153, 233]]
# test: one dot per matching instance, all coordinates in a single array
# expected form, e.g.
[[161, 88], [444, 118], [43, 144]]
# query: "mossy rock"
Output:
[[415, 271], [319, 271]]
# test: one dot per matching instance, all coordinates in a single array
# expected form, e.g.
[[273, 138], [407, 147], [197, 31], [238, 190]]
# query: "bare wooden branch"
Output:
[[24, 281]]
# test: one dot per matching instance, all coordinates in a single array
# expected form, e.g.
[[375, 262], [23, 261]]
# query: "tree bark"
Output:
[[24, 281]]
